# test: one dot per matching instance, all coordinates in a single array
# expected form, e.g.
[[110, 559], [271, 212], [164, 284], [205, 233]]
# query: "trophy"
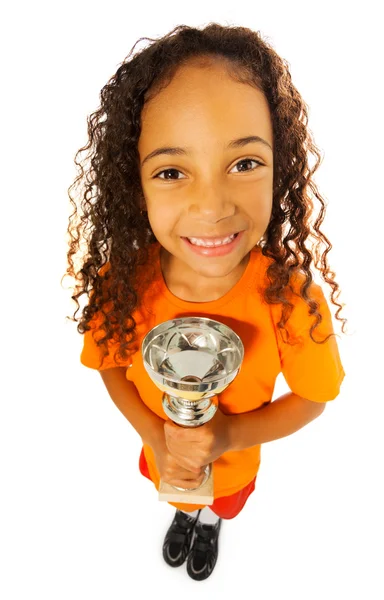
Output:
[[191, 360]]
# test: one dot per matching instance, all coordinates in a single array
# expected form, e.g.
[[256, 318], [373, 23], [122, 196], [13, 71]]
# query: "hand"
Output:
[[196, 447], [171, 472]]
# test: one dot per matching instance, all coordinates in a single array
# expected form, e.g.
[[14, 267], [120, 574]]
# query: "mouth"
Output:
[[209, 242], [213, 246]]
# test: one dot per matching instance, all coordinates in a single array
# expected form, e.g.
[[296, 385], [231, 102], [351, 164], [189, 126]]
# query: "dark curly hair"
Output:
[[117, 232]]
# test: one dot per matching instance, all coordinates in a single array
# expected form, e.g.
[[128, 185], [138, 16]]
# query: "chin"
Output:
[[213, 269]]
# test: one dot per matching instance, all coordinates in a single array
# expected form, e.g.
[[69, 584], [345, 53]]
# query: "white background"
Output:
[[77, 519]]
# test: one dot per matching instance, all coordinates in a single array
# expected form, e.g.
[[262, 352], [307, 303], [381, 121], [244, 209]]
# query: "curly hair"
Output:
[[109, 219]]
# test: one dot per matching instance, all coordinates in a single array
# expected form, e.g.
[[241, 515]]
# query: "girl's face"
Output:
[[198, 182]]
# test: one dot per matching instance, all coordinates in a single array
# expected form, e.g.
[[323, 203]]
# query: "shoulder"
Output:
[[311, 311], [308, 304], [296, 286], [144, 261]]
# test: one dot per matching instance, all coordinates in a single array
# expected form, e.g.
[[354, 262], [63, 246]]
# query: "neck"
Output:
[[189, 285]]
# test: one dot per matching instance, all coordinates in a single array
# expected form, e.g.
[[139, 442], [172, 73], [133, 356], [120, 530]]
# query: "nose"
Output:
[[211, 204]]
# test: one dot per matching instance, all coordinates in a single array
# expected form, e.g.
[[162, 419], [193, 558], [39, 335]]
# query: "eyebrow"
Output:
[[238, 143]]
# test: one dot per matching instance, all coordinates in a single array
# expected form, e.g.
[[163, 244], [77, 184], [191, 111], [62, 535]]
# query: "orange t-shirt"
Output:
[[313, 371]]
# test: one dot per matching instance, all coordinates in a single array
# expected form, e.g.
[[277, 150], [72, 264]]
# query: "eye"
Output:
[[169, 173], [245, 161]]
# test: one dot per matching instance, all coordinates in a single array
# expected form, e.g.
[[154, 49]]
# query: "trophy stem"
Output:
[[191, 360], [203, 494], [208, 471], [190, 413]]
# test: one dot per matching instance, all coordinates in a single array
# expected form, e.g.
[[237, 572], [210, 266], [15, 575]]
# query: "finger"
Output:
[[186, 483], [190, 485], [187, 473], [171, 428], [183, 473], [187, 465], [178, 432]]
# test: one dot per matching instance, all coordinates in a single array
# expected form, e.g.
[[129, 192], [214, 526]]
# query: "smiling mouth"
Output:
[[211, 242]]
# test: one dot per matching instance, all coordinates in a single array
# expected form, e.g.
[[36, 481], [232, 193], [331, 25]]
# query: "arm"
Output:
[[280, 418], [194, 447], [124, 394]]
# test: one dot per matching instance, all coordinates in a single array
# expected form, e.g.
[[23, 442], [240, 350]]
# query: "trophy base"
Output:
[[203, 495]]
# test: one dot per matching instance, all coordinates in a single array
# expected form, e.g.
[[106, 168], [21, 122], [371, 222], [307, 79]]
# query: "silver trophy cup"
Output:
[[192, 360]]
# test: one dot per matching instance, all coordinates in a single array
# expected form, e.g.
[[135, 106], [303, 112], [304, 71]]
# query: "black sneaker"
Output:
[[204, 551], [178, 539]]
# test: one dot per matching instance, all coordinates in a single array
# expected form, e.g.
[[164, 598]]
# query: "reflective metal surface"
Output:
[[192, 359]]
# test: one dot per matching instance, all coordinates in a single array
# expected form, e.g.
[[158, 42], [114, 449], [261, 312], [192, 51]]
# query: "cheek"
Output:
[[265, 210], [162, 216], [258, 205]]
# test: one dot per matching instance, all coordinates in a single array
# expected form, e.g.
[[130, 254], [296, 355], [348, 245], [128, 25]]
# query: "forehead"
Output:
[[205, 97]]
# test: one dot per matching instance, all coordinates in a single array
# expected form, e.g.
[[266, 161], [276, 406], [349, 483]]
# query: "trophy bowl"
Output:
[[192, 360]]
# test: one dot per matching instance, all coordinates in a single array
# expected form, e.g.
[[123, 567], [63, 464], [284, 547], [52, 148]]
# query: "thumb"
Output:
[[170, 427]]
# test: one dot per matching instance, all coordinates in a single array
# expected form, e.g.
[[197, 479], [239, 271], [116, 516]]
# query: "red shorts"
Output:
[[226, 507]]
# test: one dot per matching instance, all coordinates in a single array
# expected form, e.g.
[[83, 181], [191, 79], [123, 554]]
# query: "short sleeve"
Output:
[[92, 354], [312, 370]]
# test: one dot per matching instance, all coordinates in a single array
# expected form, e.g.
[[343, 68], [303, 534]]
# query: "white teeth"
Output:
[[200, 242]]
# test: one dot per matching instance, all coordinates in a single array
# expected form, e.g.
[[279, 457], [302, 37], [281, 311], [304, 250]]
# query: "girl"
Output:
[[198, 200]]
